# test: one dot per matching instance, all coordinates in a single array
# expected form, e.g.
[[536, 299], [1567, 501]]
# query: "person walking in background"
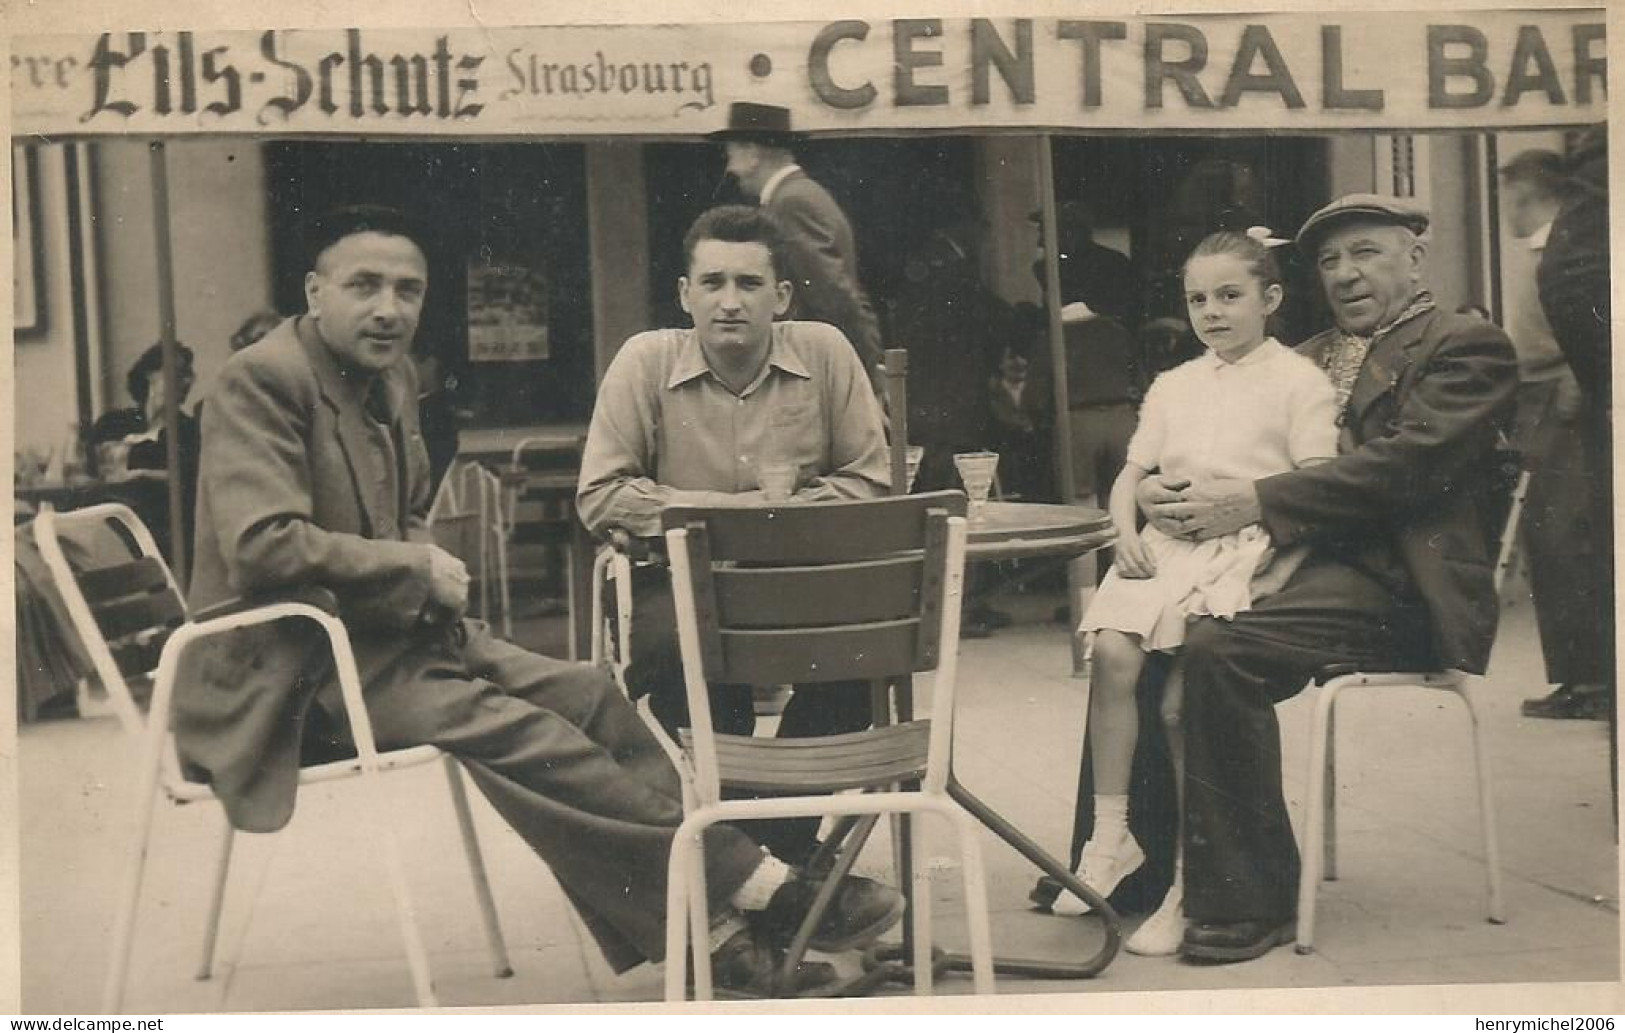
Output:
[[1564, 544], [820, 250]]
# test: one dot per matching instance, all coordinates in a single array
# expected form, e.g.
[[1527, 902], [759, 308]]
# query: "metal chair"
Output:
[[1320, 831], [541, 483], [804, 594], [469, 519], [134, 625]]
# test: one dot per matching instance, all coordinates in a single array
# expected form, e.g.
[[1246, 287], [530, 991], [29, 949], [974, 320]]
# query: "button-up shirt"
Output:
[[667, 431]]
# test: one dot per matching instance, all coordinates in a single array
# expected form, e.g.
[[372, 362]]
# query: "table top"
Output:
[[1017, 530]]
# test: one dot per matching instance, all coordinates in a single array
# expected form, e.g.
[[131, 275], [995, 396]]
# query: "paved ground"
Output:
[[309, 924]]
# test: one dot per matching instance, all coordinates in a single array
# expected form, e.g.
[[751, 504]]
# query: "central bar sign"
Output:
[[1413, 70]]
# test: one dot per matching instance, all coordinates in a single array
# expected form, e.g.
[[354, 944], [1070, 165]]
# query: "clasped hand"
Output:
[[1207, 509], [448, 582]]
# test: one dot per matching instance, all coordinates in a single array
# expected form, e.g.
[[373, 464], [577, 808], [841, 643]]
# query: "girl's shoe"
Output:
[[1160, 935], [1103, 866]]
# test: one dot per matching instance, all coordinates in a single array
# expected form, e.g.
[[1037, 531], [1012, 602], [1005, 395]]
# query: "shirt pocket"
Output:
[[796, 432]]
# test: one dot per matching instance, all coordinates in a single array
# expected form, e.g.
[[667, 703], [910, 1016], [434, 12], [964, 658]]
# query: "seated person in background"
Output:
[[1020, 427], [254, 327], [140, 432], [693, 417], [317, 478]]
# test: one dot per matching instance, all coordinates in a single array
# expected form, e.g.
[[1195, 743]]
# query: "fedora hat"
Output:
[[758, 123]]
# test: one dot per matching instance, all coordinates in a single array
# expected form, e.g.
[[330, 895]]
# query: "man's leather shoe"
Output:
[[1221, 942], [746, 967], [1572, 703], [861, 911]]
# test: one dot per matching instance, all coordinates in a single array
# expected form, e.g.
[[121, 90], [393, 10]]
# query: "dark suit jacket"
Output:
[[1408, 494], [824, 264], [291, 499]]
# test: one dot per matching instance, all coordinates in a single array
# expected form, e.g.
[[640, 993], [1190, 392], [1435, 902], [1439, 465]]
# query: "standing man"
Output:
[[1565, 548], [316, 478], [821, 256], [692, 417], [1400, 570], [1574, 292]]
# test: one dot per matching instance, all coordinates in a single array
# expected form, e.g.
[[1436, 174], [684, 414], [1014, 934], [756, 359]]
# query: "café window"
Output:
[[509, 308]]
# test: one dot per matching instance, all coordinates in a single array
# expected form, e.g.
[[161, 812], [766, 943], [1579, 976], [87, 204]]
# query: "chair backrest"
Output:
[[896, 381], [119, 594], [469, 520], [807, 593]]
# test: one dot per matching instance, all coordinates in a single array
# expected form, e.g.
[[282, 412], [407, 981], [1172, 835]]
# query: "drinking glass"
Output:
[[976, 470], [777, 479]]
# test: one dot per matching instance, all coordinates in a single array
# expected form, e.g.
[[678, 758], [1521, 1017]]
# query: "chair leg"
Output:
[[501, 967], [919, 902], [1486, 802], [217, 898], [130, 898], [417, 958], [1314, 841], [699, 919], [677, 918], [976, 916], [1328, 869]]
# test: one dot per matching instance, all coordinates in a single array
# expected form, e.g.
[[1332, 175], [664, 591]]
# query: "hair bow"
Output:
[[1265, 236]]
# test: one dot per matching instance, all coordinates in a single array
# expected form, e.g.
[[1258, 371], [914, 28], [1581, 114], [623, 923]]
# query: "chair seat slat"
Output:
[[852, 761], [854, 593], [137, 577], [135, 614]]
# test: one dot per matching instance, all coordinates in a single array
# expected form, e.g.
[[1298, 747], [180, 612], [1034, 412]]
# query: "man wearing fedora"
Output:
[[1400, 568], [823, 256]]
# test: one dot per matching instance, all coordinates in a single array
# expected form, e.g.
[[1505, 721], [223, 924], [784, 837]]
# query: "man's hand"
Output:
[[1131, 557], [448, 581], [1156, 495], [1212, 509]]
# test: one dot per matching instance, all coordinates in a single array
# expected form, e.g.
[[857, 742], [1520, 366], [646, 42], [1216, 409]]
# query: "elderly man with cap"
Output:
[[823, 256], [1400, 569]]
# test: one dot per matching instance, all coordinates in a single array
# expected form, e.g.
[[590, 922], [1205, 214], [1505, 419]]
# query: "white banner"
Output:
[[1286, 71]]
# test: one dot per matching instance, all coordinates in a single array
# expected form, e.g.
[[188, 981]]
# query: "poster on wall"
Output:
[[27, 289], [507, 310]]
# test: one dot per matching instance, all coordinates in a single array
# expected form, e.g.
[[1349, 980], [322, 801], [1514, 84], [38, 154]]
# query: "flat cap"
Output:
[[1377, 208]]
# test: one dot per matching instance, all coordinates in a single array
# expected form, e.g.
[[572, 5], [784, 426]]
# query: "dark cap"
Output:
[[758, 123], [1378, 208], [330, 227]]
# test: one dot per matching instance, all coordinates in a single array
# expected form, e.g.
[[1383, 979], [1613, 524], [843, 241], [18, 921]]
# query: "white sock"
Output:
[[723, 931], [758, 889], [1111, 818]]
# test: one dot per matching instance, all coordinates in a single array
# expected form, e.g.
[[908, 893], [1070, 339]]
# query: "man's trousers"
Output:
[[1241, 861], [564, 758], [655, 668], [1568, 560]]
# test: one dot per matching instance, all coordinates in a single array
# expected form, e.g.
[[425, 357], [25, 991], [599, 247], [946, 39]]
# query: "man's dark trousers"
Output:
[[655, 668], [1241, 861]]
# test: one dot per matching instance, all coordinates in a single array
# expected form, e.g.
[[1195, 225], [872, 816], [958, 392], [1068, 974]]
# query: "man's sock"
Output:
[[755, 892], [723, 931]]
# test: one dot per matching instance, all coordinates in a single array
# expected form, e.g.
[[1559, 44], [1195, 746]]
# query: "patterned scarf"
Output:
[[1342, 361]]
